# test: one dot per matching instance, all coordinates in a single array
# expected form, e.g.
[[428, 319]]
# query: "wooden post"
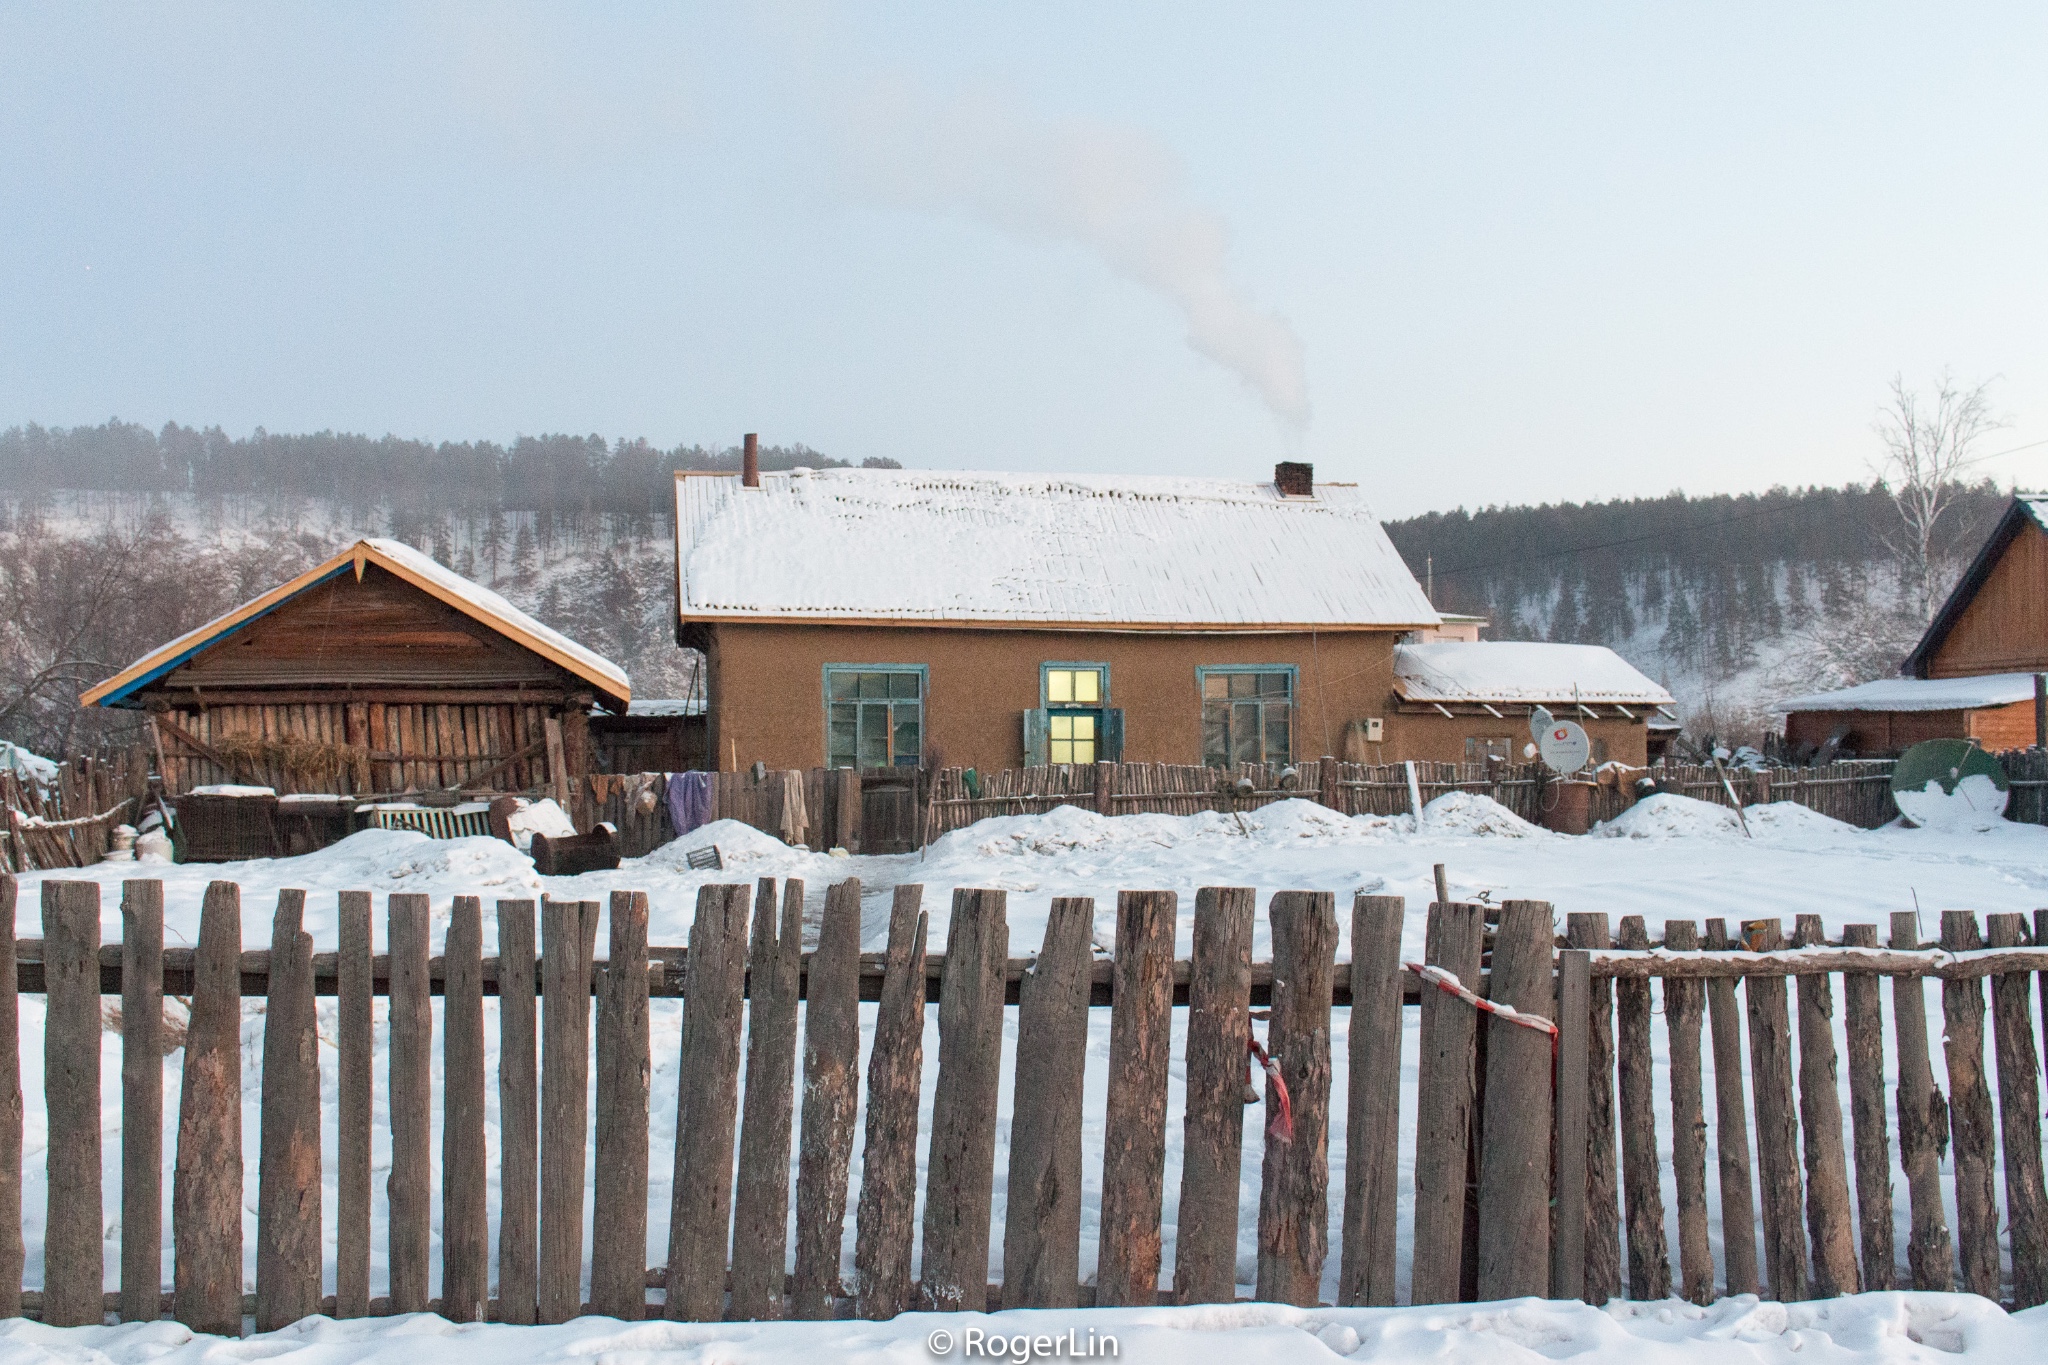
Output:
[[1649, 1262], [618, 1250], [960, 1172], [760, 1216], [206, 1189], [887, 1223], [1584, 930], [1568, 1227], [1731, 1127], [1219, 1023], [73, 1250], [1777, 1121], [1820, 1111], [354, 1022], [2019, 1114], [1042, 1228], [1865, 1018], [1105, 804], [1443, 1105], [558, 766], [1683, 1014], [465, 1210], [707, 1095], [1514, 1170], [1970, 1120], [831, 1102], [1134, 1124], [1294, 1185], [518, 1115], [13, 1252], [846, 810], [1923, 1125], [288, 1243], [568, 942], [142, 1100], [1372, 1144], [411, 1184]]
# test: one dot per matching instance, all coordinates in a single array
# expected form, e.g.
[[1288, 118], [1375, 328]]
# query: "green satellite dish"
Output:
[[1950, 784]]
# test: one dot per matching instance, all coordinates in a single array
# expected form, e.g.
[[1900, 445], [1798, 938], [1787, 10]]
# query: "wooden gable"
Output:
[[1998, 623]]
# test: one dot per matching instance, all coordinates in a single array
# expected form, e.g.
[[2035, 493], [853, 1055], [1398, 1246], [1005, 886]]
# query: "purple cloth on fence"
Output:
[[689, 801]]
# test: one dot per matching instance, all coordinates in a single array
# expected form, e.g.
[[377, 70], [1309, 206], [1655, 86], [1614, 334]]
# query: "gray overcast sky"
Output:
[[1461, 253]]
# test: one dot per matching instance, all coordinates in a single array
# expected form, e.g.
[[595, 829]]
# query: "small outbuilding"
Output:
[[1468, 701], [1894, 714]]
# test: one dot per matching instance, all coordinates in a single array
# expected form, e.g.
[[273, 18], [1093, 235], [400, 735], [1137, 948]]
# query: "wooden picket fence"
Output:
[[1519, 1185], [68, 824]]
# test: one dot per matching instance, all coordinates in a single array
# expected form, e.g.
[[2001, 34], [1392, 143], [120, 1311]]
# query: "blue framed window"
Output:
[[874, 715], [1076, 700], [1247, 713]]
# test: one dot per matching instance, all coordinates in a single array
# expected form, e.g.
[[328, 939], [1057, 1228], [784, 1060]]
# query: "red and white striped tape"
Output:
[[1448, 983]]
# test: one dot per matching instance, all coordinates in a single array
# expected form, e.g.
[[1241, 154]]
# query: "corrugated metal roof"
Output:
[[1084, 550], [1520, 671]]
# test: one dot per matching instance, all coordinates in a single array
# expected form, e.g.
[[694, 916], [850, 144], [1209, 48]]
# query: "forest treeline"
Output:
[[554, 474]]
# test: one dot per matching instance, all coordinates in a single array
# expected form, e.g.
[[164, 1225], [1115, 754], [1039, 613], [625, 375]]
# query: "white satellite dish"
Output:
[[1564, 746], [1540, 720]]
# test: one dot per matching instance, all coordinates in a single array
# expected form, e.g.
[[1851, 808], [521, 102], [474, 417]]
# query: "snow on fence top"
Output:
[[1516, 671], [1083, 550], [478, 603], [1920, 694]]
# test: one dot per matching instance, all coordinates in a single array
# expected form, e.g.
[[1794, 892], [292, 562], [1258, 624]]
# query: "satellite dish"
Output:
[[1564, 746], [1539, 721], [1951, 785]]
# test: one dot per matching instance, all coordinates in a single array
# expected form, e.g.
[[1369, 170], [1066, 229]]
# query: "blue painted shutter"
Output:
[[1113, 736], [1035, 749]]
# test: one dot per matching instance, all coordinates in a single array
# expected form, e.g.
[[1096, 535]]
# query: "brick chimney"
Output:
[[750, 462], [1294, 480]]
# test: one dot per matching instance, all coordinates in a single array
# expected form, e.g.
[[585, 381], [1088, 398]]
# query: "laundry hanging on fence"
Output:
[[690, 803], [794, 819]]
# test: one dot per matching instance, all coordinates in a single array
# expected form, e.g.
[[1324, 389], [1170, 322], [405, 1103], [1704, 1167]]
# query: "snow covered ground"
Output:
[[1669, 857]]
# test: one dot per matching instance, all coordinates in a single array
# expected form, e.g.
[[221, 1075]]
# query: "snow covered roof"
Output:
[[478, 603], [1520, 671], [1920, 694], [1087, 550], [667, 706]]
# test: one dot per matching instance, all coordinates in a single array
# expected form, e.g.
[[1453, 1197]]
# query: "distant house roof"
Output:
[[1520, 672], [1088, 551], [478, 603], [2025, 509], [1920, 694], [654, 708]]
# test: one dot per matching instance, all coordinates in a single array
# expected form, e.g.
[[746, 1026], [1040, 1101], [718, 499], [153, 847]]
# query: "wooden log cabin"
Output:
[[1977, 673], [379, 673]]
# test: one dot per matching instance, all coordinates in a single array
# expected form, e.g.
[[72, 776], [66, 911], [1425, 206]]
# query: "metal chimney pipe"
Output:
[[750, 462]]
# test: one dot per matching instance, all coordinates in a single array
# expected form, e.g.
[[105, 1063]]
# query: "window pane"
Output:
[[1059, 686], [1088, 686], [874, 684], [1060, 751], [1215, 734], [874, 736], [1060, 727], [1084, 727], [1272, 684], [1244, 684], [903, 685], [906, 746], [1244, 732], [1216, 685], [1278, 725], [844, 684], [1084, 751]]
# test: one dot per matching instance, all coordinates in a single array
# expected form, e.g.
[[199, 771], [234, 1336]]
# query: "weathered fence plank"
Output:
[[73, 1249], [1649, 1261], [760, 1212], [1731, 1128], [411, 1184], [1589, 932], [1294, 1183], [1828, 1221], [568, 942], [887, 1222], [1777, 1121], [618, 1243], [354, 1106], [1568, 1139], [831, 1102], [1134, 1124], [518, 1115], [13, 1251], [960, 1173], [1443, 1107], [1974, 1135], [1372, 1140], [206, 1189], [1865, 1020], [1042, 1226], [2019, 1118], [288, 1243], [1923, 1124], [1683, 1001], [465, 1209], [706, 1100], [142, 1099], [1514, 1172]]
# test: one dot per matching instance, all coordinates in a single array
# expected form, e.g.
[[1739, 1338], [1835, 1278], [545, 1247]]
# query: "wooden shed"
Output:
[[379, 673]]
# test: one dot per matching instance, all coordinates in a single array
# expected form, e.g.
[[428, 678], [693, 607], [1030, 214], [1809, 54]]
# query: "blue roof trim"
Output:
[[119, 697]]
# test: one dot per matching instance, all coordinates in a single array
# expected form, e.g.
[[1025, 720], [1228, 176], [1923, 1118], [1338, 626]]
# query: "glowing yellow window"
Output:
[[1072, 739], [1073, 687]]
